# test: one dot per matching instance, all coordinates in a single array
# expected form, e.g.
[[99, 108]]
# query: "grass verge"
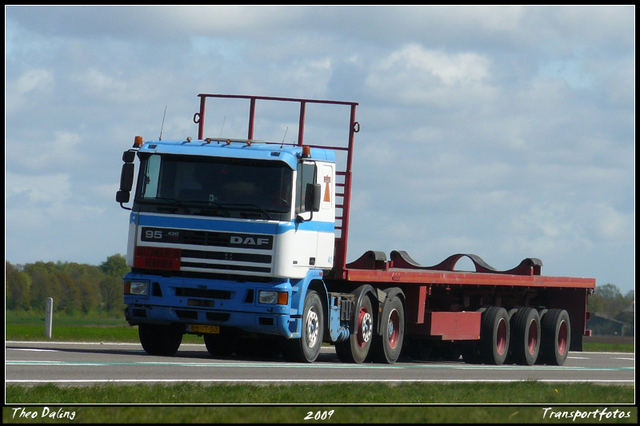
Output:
[[411, 393]]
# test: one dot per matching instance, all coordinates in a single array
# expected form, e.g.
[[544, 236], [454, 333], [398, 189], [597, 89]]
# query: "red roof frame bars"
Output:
[[340, 258]]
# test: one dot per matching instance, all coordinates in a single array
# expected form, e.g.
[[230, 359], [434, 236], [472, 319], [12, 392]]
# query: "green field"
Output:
[[521, 402]]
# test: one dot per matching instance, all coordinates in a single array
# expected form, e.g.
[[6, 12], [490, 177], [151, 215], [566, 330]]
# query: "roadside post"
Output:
[[48, 319]]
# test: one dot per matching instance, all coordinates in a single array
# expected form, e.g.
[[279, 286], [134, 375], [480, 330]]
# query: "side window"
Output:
[[306, 174], [151, 177]]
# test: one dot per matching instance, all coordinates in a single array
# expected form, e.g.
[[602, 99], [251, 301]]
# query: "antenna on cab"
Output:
[[162, 126]]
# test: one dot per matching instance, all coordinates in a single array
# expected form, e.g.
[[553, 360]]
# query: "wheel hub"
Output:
[[312, 328]]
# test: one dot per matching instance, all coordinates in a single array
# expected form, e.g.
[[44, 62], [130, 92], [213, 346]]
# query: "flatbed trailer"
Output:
[[249, 271], [443, 304]]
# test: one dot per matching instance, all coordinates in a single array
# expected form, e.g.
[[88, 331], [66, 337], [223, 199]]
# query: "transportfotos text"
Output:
[[598, 414]]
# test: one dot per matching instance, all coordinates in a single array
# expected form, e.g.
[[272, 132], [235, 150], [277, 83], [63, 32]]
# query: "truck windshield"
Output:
[[215, 186]]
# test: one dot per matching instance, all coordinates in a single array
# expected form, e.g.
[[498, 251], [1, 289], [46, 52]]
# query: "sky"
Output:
[[505, 132]]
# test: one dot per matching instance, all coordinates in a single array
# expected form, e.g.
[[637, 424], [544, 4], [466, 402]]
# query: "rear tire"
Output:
[[494, 336], [160, 339], [556, 336], [389, 343], [525, 336], [356, 348]]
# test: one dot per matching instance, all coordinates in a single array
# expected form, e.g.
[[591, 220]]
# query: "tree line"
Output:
[[608, 299], [607, 302], [75, 288]]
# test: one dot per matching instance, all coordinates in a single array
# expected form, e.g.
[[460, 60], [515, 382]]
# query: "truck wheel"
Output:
[[392, 331], [160, 339], [307, 347], [525, 336], [218, 344], [556, 336], [356, 348], [494, 336]]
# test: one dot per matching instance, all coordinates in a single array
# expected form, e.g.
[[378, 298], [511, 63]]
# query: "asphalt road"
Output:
[[69, 363]]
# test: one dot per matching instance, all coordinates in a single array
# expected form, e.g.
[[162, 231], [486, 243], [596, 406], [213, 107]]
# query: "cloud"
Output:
[[50, 189], [102, 86], [46, 153], [27, 87], [434, 77]]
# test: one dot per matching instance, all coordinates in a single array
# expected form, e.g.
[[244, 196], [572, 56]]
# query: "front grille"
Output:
[[207, 238], [204, 238], [214, 252], [232, 257], [219, 266]]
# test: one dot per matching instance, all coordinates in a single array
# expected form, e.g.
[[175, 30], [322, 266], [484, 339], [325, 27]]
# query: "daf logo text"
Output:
[[249, 241]]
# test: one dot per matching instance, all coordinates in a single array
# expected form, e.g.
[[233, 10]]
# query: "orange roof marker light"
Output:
[[306, 151], [137, 142]]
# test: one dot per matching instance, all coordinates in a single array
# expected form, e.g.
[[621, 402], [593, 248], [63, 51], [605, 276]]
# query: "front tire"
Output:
[[219, 345], [160, 339], [307, 347]]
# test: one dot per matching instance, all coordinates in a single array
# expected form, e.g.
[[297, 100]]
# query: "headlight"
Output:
[[136, 288], [273, 297]]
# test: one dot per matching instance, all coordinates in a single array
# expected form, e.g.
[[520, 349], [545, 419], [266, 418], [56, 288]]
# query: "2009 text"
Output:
[[319, 415]]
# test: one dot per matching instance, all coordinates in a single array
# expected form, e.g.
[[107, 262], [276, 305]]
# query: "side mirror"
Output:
[[122, 197], [312, 197], [311, 201], [129, 156], [126, 182], [126, 177]]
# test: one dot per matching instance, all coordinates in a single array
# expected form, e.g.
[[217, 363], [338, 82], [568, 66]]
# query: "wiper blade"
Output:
[[255, 207], [222, 207], [165, 199]]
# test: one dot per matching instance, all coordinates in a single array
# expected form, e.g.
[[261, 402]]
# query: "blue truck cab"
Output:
[[233, 239], [227, 233]]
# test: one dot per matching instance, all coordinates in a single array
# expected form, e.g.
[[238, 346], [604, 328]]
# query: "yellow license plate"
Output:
[[197, 328]]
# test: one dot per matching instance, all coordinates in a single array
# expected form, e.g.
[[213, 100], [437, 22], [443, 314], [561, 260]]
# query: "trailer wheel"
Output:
[[494, 336], [356, 348], [391, 331], [160, 339], [525, 336], [307, 347], [556, 336]]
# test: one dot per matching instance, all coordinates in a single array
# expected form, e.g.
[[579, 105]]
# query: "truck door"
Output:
[[306, 240], [326, 216]]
